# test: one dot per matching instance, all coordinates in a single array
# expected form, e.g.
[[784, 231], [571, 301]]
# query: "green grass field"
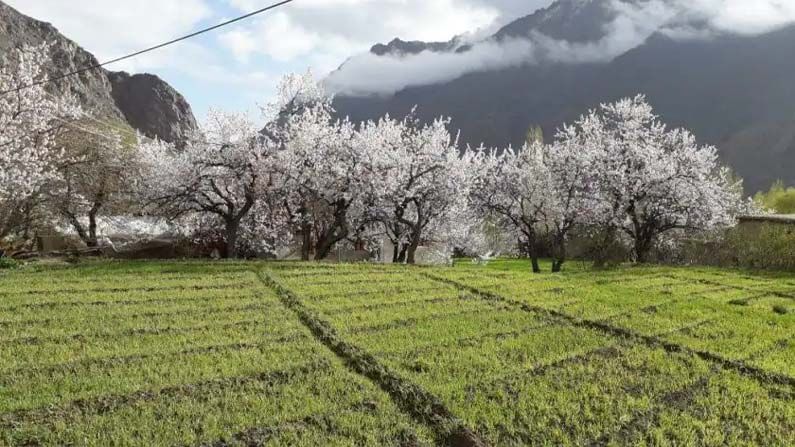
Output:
[[315, 354]]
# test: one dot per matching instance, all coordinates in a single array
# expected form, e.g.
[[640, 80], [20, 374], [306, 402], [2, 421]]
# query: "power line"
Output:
[[147, 50]]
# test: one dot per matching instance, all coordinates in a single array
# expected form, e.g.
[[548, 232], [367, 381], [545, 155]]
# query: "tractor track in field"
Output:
[[411, 398], [758, 374]]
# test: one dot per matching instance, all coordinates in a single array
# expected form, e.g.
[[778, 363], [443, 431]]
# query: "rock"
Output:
[[152, 106], [146, 102], [92, 88]]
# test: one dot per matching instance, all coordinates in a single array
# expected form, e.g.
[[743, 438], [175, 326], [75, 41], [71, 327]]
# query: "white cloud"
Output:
[[633, 24], [110, 29], [743, 16], [371, 74], [245, 60]]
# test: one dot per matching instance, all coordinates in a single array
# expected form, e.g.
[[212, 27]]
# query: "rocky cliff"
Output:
[[146, 102]]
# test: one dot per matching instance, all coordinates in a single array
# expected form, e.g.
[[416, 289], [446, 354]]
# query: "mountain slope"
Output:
[[146, 102], [733, 91]]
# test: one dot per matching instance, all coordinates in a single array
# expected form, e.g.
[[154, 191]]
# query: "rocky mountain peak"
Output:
[[398, 47], [569, 20], [152, 106], [146, 102]]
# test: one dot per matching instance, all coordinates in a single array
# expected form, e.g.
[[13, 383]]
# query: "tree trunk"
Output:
[[336, 232], [78, 227], [231, 238], [559, 250], [326, 244], [395, 252], [306, 241], [534, 262], [330, 238], [642, 249], [402, 255], [532, 249], [602, 248], [411, 254], [92, 230]]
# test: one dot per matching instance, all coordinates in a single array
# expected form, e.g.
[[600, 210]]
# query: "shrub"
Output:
[[8, 263], [779, 199], [768, 246]]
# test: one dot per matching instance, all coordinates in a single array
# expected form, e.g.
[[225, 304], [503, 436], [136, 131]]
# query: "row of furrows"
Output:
[[383, 306], [319, 297], [677, 398], [411, 398], [119, 302], [325, 422], [777, 293], [543, 368], [49, 415], [136, 276], [649, 340], [408, 322], [185, 312], [124, 289], [680, 398], [469, 341], [106, 362], [105, 335]]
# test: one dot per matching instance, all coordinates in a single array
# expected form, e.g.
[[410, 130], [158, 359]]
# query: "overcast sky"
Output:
[[237, 67]]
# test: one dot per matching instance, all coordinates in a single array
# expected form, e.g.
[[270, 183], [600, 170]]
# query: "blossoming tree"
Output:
[[30, 120], [652, 179], [513, 189], [419, 182], [225, 169]]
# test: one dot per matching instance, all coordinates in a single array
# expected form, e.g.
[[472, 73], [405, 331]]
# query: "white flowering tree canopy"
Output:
[[225, 168], [29, 120], [650, 179], [512, 189], [419, 181], [325, 175]]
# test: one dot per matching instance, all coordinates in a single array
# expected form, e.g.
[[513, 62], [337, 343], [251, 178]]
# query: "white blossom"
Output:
[[30, 119]]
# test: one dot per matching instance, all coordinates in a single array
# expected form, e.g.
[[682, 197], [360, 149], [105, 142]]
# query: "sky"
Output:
[[238, 67]]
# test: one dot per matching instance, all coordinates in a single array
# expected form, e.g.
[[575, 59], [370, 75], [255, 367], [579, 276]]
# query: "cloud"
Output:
[[233, 65], [747, 17], [113, 30], [324, 33], [370, 74], [241, 64], [632, 24]]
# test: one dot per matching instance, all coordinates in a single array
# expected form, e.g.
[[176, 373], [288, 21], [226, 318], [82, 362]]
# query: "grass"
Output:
[[196, 353]]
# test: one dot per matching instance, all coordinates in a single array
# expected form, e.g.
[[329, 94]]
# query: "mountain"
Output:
[[733, 90], [145, 102]]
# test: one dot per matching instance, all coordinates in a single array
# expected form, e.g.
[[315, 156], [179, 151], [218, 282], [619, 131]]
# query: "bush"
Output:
[[769, 246], [779, 199], [605, 249], [8, 263]]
